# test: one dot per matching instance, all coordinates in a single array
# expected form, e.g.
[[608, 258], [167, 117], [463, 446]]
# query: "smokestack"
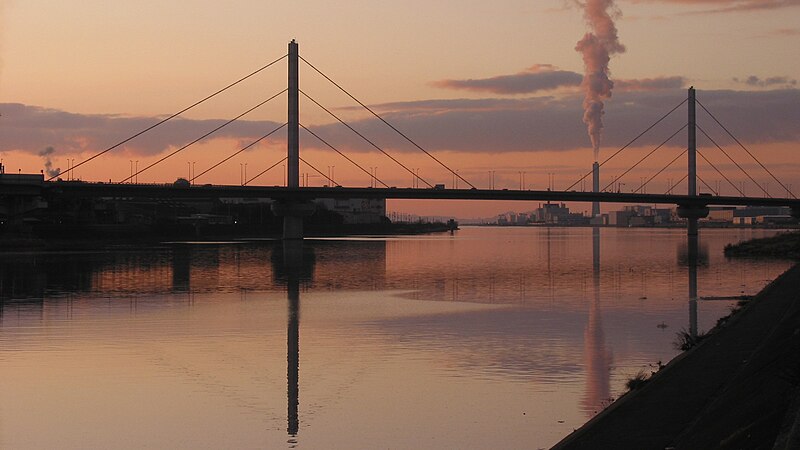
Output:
[[595, 188], [597, 47]]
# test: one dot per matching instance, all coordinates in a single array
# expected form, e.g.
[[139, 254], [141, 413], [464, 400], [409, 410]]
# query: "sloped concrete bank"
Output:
[[738, 389]]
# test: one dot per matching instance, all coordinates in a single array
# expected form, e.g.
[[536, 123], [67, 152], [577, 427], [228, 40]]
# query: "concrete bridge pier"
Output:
[[692, 213], [293, 213]]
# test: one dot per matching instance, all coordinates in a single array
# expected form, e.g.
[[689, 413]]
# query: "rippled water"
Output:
[[491, 338]]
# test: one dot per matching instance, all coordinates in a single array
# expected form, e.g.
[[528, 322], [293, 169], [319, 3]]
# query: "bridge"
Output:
[[293, 201]]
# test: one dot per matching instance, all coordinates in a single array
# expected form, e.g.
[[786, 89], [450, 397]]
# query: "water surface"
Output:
[[490, 338]]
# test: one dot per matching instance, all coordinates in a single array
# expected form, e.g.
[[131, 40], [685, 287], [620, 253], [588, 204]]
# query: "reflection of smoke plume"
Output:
[[598, 358], [48, 165], [597, 46]]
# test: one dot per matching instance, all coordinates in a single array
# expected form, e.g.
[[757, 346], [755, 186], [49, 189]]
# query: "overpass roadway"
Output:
[[105, 190]]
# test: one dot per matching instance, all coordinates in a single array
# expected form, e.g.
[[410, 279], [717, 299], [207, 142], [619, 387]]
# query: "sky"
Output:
[[494, 90]]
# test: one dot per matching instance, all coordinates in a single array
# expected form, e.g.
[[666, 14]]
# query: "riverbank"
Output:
[[737, 389], [783, 245]]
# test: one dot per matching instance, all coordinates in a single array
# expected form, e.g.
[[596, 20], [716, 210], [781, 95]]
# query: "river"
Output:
[[488, 338]]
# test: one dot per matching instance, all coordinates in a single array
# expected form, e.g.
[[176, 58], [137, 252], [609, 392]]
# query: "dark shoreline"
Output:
[[103, 239], [783, 245]]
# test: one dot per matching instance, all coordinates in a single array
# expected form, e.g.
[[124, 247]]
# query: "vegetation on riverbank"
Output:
[[783, 245]]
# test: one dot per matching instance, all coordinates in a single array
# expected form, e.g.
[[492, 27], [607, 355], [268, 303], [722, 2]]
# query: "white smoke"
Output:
[[48, 164], [597, 47]]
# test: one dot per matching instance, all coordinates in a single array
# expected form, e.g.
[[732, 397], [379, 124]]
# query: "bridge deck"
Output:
[[84, 189]]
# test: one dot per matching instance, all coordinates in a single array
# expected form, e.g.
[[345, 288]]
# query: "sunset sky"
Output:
[[484, 86]]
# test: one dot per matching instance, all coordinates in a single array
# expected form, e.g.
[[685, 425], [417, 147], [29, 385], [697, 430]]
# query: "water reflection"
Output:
[[293, 263], [693, 255], [598, 358], [523, 320]]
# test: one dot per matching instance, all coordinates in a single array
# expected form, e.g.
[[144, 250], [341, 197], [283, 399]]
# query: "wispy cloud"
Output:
[[778, 82], [651, 84], [790, 32], [540, 77], [545, 77], [726, 6]]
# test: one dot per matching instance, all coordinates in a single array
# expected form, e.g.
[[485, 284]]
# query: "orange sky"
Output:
[[485, 88]]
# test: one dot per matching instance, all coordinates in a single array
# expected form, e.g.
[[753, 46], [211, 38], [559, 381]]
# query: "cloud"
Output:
[[650, 84], [545, 77], [754, 81], [725, 6], [540, 77], [32, 127], [550, 123], [467, 125], [787, 32]]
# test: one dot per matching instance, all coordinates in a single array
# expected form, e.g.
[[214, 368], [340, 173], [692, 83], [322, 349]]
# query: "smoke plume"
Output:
[[48, 164], [597, 47]]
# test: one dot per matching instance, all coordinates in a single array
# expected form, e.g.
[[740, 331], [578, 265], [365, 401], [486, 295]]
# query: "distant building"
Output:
[[720, 214], [619, 218]]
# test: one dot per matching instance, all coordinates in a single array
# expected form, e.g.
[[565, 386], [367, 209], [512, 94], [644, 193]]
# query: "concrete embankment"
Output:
[[738, 389]]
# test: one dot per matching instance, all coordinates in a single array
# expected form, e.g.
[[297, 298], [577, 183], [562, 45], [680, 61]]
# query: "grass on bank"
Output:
[[783, 245]]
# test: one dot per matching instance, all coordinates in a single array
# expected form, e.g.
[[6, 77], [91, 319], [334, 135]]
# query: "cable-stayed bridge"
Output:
[[293, 200]]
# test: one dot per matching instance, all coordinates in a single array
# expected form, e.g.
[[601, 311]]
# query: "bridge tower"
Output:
[[293, 211], [293, 115], [692, 212]]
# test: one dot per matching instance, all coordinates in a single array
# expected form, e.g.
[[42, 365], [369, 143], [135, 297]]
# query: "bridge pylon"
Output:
[[293, 211], [692, 212]]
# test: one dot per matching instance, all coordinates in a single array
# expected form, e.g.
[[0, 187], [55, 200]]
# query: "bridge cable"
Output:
[[660, 171], [168, 118], [389, 125], [343, 155], [629, 143], [366, 139], [205, 135], [265, 171], [679, 182], [748, 151], [719, 172], [734, 162], [709, 187], [237, 152], [317, 170], [646, 156]]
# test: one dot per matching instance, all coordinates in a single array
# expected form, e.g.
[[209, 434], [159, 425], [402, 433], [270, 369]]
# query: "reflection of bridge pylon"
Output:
[[291, 267]]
